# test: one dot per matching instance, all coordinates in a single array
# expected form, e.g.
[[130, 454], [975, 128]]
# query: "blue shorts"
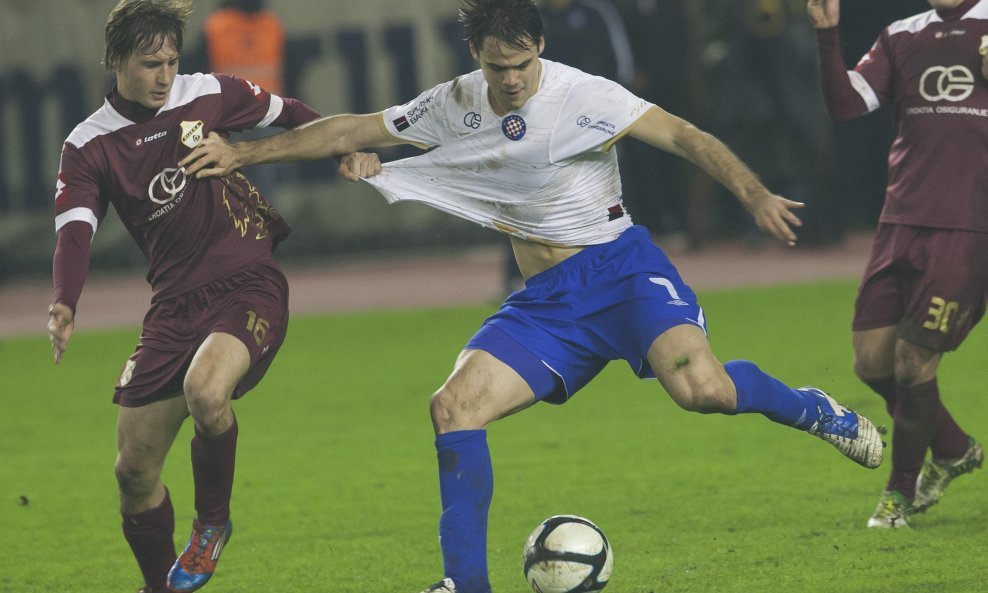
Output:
[[607, 302]]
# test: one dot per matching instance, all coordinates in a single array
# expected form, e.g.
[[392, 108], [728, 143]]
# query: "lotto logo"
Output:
[[513, 127]]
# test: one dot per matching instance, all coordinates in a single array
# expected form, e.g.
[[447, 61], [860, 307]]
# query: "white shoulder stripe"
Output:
[[189, 87], [81, 214], [914, 24], [980, 11], [274, 110], [106, 120], [864, 89]]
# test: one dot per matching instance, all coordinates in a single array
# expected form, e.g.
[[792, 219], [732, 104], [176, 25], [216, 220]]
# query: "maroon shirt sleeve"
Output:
[[295, 113], [842, 101], [70, 265]]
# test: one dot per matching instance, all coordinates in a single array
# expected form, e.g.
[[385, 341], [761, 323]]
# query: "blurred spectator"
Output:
[[246, 40], [663, 45], [589, 35], [761, 70], [243, 38]]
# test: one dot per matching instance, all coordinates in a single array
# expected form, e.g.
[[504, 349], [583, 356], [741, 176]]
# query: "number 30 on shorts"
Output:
[[941, 314], [257, 326]]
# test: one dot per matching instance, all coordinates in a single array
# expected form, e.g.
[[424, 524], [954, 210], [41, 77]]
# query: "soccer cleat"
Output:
[[444, 586], [936, 475], [198, 561], [851, 433], [891, 511]]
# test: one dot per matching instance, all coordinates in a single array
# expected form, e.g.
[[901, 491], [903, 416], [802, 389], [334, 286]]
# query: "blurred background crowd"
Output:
[[744, 70]]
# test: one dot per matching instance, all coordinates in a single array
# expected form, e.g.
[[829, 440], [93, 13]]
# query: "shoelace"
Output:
[[830, 425], [197, 556]]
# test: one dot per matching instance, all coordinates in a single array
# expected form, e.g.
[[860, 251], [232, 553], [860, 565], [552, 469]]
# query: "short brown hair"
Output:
[[516, 23], [143, 26]]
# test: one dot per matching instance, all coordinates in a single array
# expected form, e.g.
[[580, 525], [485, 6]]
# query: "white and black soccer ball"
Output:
[[567, 554]]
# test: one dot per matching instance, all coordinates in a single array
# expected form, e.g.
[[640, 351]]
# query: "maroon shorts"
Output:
[[250, 304], [930, 283]]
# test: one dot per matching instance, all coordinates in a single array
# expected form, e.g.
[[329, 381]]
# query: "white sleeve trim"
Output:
[[274, 110], [82, 214], [864, 89]]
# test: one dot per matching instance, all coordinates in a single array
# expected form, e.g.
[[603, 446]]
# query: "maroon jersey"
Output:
[[191, 231], [928, 67]]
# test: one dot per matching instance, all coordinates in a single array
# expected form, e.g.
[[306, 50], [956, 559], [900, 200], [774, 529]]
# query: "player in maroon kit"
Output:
[[219, 305], [925, 286]]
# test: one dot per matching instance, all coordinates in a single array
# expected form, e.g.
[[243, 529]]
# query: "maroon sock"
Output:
[[213, 459], [151, 537], [884, 387], [949, 440], [915, 421]]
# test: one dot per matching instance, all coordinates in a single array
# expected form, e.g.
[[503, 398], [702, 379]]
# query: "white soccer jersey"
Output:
[[544, 172]]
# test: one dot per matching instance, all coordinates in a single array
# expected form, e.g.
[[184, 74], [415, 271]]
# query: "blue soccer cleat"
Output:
[[197, 563], [851, 433]]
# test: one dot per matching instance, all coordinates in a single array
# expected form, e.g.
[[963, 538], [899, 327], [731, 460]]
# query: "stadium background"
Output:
[[362, 56]]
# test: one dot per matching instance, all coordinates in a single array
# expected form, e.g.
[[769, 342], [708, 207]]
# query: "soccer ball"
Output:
[[567, 554]]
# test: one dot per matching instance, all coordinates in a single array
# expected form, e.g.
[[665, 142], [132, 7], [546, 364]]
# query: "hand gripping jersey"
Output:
[[929, 68], [544, 172], [191, 231]]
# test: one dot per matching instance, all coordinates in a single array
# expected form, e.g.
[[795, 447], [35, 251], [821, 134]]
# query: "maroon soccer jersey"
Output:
[[191, 231], [928, 67]]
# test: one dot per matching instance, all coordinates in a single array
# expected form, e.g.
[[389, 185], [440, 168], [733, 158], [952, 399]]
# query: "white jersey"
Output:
[[544, 172]]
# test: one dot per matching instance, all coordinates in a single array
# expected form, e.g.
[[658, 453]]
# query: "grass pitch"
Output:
[[336, 477]]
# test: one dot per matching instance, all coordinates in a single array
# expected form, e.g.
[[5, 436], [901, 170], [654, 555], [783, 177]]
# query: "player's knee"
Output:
[[451, 411], [134, 479], [915, 365], [208, 402], [706, 397]]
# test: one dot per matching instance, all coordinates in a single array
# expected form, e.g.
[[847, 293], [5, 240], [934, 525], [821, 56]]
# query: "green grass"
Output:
[[335, 487]]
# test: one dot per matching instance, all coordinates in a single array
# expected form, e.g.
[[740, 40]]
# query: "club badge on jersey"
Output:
[[192, 133], [513, 127]]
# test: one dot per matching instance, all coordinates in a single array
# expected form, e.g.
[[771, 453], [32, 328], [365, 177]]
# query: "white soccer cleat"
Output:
[[851, 433], [444, 586]]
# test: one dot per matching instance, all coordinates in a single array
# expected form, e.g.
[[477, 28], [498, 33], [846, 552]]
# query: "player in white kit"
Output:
[[523, 145]]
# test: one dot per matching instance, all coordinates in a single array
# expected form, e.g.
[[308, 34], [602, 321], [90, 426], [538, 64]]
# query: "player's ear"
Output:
[[541, 45], [473, 52]]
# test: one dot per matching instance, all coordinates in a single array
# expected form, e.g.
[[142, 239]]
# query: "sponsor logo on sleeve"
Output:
[[401, 124], [192, 133], [600, 125], [513, 127]]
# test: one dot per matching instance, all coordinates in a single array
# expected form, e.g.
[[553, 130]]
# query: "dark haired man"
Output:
[[924, 288], [523, 146], [219, 305]]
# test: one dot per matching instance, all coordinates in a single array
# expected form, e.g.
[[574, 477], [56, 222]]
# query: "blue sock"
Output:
[[766, 395], [466, 485]]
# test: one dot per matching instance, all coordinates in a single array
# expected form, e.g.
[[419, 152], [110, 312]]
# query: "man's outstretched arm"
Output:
[[335, 135], [773, 214]]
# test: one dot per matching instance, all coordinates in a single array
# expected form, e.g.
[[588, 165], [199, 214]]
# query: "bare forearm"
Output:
[[718, 161], [328, 136]]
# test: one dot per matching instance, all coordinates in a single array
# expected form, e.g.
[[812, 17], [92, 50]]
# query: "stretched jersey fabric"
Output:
[[544, 172], [191, 231], [928, 67]]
